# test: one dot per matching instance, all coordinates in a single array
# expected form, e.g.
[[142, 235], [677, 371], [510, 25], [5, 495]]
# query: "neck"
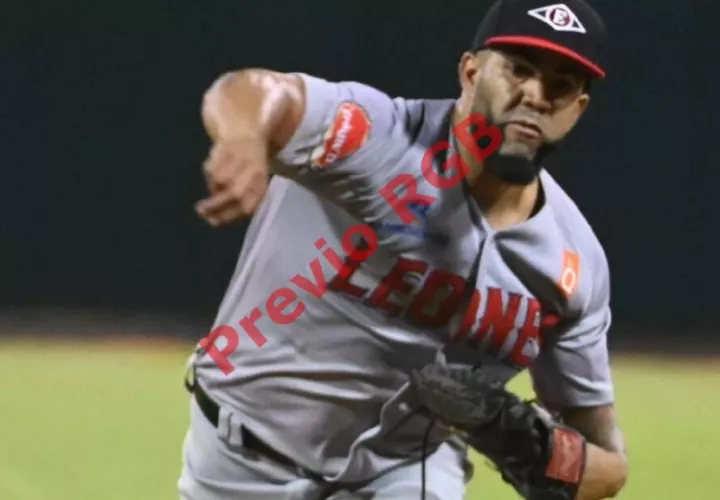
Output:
[[504, 204]]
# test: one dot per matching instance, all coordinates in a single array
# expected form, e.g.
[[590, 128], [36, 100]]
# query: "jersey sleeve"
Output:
[[340, 122], [573, 368], [350, 143]]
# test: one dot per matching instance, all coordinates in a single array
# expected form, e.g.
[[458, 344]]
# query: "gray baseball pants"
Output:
[[213, 469]]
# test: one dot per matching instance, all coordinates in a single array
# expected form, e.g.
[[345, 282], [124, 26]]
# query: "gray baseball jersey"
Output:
[[328, 386]]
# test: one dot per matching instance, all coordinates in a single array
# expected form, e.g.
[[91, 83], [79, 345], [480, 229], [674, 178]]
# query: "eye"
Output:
[[521, 69], [562, 86]]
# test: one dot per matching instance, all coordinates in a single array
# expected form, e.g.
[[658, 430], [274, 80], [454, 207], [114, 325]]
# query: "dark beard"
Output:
[[514, 168]]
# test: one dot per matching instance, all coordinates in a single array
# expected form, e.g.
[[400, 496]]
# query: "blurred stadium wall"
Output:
[[102, 148]]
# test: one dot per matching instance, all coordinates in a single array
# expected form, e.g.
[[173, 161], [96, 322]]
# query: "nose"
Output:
[[535, 96]]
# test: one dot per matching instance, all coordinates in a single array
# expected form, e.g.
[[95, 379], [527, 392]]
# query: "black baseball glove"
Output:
[[539, 457]]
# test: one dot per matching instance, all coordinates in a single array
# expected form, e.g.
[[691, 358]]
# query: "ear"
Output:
[[468, 69], [575, 111], [583, 102]]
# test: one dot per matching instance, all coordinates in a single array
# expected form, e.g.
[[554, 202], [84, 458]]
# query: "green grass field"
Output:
[[105, 422]]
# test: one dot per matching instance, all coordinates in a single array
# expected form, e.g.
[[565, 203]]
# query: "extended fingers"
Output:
[[239, 199]]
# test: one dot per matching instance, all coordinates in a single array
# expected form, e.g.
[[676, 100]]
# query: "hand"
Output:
[[237, 173]]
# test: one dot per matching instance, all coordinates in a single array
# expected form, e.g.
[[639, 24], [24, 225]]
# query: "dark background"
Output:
[[103, 144]]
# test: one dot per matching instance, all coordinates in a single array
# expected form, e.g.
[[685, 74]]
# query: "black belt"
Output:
[[249, 440], [253, 443]]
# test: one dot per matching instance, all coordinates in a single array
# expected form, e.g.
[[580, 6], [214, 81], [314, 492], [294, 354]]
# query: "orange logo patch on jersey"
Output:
[[346, 135], [571, 273]]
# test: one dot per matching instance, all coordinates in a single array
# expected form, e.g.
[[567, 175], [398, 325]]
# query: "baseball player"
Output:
[[396, 292]]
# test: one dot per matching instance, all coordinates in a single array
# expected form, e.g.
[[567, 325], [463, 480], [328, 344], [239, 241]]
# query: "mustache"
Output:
[[527, 119], [515, 113]]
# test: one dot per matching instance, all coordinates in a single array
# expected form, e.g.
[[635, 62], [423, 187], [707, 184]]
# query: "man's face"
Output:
[[534, 95]]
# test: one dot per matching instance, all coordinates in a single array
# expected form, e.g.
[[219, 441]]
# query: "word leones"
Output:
[[492, 316]]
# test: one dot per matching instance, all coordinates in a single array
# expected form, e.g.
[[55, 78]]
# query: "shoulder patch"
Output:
[[346, 134], [570, 273]]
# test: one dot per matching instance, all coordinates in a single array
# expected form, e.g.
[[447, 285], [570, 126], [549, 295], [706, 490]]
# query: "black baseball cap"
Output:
[[572, 29]]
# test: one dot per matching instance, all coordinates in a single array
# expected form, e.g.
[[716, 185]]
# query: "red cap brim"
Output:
[[531, 41]]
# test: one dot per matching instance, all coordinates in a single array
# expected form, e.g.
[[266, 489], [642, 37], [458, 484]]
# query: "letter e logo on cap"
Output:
[[347, 133], [559, 17]]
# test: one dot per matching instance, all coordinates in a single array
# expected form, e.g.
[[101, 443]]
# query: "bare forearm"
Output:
[[253, 103], [605, 474], [606, 467]]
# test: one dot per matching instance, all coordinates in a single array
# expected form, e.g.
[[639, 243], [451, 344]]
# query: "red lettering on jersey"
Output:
[[367, 245], [331, 255], [469, 318], [547, 322], [529, 330], [393, 282], [400, 203], [341, 282], [500, 320], [449, 285], [357, 254]]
